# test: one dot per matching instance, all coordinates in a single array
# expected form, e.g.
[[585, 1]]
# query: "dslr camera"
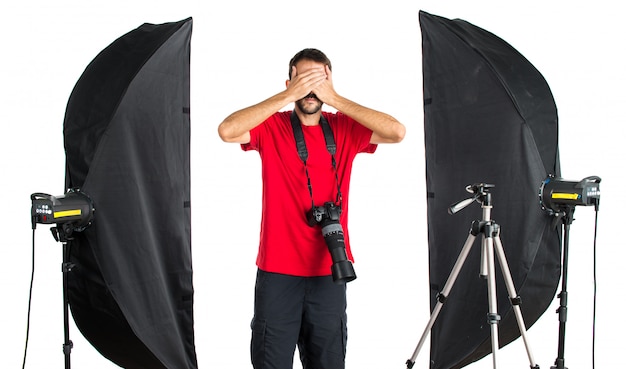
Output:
[[327, 216]]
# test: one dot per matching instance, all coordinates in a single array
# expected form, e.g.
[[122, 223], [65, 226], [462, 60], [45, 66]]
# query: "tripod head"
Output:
[[481, 194]]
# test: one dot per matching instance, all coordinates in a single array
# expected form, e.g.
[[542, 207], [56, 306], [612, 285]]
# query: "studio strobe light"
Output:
[[71, 212], [559, 198], [128, 267], [556, 194], [74, 208]]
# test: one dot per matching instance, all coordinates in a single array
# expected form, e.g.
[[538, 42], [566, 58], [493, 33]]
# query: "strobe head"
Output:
[[74, 210], [556, 194]]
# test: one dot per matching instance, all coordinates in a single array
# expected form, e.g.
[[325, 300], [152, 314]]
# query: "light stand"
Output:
[[559, 198], [63, 233], [491, 244], [71, 212], [566, 217]]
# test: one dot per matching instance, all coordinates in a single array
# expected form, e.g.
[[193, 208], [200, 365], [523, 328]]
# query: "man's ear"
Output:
[[287, 83], [293, 73]]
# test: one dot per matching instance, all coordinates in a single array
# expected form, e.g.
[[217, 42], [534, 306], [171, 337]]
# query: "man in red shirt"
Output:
[[296, 301]]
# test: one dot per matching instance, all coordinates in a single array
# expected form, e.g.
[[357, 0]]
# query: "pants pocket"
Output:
[[257, 344]]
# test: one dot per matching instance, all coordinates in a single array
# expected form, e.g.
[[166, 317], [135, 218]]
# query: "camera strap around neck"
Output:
[[298, 134]]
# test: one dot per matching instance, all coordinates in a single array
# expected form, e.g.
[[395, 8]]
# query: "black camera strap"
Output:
[[304, 153]]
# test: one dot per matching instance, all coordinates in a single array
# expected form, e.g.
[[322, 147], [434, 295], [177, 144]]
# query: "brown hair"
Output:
[[309, 54]]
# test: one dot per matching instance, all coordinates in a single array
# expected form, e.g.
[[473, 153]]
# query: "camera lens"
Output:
[[342, 268]]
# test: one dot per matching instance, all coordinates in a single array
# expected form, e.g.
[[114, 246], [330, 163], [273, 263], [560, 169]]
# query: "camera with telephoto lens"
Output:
[[327, 217]]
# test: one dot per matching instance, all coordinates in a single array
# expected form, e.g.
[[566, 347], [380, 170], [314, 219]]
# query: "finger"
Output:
[[313, 73], [311, 78]]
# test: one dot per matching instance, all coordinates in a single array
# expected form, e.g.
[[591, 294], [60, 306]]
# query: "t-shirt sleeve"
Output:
[[254, 138], [359, 134]]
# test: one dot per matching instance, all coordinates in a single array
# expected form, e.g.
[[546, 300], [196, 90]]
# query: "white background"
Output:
[[239, 56]]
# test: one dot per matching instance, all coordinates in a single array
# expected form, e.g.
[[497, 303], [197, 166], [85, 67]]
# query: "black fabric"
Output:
[[489, 117], [127, 133]]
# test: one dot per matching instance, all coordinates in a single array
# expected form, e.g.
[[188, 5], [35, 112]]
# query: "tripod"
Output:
[[491, 245]]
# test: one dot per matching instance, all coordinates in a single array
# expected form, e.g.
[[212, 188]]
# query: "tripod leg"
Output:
[[441, 297], [493, 317], [515, 299]]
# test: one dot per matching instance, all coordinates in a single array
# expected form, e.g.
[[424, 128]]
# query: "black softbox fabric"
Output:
[[489, 117], [127, 134]]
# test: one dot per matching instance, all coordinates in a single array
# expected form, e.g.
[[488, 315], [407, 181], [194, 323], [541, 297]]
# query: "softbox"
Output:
[[127, 134], [489, 117]]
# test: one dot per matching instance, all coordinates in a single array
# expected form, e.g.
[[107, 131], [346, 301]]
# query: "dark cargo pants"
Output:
[[309, 312]]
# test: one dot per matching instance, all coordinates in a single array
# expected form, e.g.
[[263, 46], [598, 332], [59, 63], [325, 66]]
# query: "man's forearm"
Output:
[[386, 128], [239, 123]]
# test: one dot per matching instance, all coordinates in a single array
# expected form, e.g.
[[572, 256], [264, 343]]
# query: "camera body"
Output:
[[329, 211], [327, 216]]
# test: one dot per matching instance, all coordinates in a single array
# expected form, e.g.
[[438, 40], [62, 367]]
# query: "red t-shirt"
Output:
[[288, 245]]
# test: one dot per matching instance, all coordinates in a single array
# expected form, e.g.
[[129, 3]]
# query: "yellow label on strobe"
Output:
[[66, 213], [566, 196]]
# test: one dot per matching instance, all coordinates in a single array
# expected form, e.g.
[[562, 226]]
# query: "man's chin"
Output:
[[309, 109]]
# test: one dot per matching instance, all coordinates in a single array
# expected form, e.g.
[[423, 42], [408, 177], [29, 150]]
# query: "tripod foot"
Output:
[[409, 364]]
